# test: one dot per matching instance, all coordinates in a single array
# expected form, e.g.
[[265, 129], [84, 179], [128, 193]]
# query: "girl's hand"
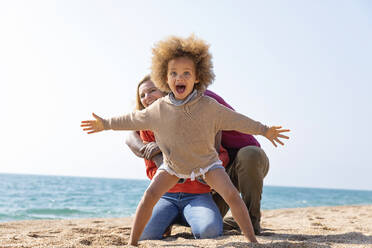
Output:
[[93, 126], [274, 133]]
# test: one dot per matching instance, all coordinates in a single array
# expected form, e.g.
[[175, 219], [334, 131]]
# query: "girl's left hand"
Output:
[[274, 133], [93, 126]]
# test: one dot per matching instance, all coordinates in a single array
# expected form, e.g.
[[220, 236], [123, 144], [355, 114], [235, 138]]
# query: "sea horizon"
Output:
[[146, 179], [28, 197]]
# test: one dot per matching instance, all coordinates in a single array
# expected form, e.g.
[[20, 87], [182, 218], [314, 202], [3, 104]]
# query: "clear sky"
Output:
[[306, 65]]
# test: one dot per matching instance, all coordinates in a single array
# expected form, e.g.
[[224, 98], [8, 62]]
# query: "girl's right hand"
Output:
[[274, 133], [93, 126]]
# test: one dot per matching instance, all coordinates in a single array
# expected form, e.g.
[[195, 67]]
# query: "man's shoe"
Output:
[[230, 224], [257, 228]]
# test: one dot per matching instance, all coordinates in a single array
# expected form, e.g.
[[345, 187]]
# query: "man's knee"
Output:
[[251, 154], [252, 159]]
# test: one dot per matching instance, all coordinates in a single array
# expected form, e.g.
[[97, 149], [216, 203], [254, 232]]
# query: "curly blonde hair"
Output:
[[175, 47]]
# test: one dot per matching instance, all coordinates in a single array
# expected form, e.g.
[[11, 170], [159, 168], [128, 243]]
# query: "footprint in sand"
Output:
[[86, 241], [8, 226], [97, 221], [113, 240], [328, 228], [37, 235], [316, 224], [86, 230], [124, 230]]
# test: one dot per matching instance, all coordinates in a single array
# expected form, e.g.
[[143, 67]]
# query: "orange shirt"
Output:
[[194, 187]]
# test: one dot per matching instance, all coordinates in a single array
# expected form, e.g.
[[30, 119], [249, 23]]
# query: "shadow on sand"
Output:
[[344, 238], [283, 240]]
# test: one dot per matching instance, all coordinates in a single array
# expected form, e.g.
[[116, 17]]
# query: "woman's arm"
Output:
[[147, 150], [135, 144]]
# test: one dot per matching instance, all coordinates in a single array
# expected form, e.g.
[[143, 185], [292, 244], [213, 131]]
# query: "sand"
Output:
[[320, 227]]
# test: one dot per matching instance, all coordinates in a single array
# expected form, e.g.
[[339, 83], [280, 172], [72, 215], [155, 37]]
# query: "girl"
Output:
[[184, 67], [188, 203]]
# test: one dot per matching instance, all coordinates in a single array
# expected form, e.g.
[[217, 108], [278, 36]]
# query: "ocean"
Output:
[[25, 197]]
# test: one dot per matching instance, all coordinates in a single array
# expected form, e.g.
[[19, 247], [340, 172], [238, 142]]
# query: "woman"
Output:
[[188, 203]]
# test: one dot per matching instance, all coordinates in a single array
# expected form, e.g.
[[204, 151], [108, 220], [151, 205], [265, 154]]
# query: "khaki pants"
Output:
[[247, 171]]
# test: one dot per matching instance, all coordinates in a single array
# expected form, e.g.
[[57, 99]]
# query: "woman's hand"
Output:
[[150, 150], [93, 126], [274, 133]]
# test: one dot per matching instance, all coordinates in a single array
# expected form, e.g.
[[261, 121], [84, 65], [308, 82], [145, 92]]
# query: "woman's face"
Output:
[[148, 93]]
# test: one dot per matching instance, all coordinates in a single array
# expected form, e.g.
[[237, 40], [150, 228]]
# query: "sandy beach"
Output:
[[320, 227]]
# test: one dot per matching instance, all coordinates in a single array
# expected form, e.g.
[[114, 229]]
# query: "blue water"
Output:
[[25, 197]]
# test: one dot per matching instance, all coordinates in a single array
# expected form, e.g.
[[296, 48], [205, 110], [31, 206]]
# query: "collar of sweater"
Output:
[[192, 101], [176, 102]]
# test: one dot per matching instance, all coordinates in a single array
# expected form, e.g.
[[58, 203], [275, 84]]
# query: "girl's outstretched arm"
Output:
[[274, 133], [231, 120], [93, 126]]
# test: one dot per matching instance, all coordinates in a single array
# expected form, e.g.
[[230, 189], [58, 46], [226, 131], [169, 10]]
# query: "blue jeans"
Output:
[[195, 210]]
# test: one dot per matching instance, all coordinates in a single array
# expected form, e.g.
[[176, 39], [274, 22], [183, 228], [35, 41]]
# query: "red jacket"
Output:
[[194, 187]]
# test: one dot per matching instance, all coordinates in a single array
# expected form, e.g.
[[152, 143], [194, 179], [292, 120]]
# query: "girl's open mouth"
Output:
[[180, 89]]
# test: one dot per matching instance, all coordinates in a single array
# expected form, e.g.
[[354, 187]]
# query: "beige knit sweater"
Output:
[[186, 134]]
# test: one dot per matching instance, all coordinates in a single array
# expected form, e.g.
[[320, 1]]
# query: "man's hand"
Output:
[[93, 126]]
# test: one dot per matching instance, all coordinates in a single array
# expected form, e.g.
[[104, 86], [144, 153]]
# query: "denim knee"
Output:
[[151, 236], [211, 230]]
